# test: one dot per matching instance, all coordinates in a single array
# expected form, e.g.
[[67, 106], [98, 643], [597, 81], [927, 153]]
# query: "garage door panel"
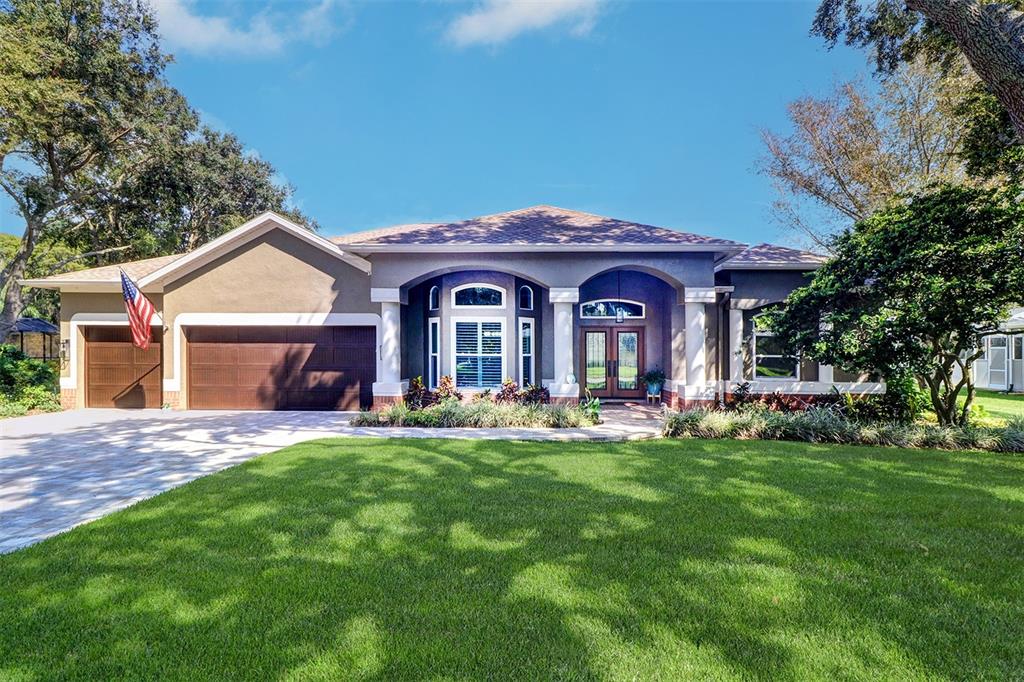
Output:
[[241, 398], [261, 334], [213, 354], [281, 368], [269, 355], [351, 358], [214, 375], [117, 374], [321, 380], [347, 399], [354, 336]]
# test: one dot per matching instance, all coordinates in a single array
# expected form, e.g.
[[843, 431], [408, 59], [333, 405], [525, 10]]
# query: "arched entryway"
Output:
[[623, 328]]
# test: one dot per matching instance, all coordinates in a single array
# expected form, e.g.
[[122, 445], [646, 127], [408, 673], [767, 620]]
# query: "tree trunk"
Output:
[[15, 270], [991, 36]]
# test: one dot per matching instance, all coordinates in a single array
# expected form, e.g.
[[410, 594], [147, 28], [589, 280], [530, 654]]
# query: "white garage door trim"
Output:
[[265, 320], [79, 320]]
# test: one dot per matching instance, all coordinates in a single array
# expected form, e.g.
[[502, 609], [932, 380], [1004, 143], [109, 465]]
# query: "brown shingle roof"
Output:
[[538, 225], [111, 273], [773, 256]]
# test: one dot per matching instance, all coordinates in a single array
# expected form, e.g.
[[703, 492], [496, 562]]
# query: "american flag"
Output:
[[140, 311]]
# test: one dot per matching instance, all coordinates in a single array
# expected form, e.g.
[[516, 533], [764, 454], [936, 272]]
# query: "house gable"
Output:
[[253, 229], [273, 272]]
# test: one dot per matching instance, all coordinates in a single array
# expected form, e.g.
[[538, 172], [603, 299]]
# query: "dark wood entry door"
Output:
[[117, 374], [613, 359], [281, 368]]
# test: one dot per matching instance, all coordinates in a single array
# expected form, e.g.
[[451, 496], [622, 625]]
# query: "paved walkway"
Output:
[[60, 470]]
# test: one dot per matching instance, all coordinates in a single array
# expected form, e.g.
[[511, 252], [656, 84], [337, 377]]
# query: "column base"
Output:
[[564, 394], [68, 398], [172, 399], [382, 401], [387, 393], [688, 397]]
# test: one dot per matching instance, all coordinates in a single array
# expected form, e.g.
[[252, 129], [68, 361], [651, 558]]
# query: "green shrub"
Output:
[[824, 425], [452, 413], [18, 372], [26, 384]]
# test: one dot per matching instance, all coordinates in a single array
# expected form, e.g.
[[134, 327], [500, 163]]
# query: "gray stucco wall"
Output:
[[763, 286], [547, 269]]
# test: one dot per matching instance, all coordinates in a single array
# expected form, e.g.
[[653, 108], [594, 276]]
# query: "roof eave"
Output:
[[768, 266], [81, 286], [728, 249]]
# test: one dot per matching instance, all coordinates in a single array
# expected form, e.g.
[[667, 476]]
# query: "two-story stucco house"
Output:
[[274, 316]]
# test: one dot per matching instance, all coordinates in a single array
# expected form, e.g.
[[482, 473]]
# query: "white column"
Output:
[[696, 336], [826, 375], [566, 384], [696, 332], [735, 346], [391, 342], [389, 379]]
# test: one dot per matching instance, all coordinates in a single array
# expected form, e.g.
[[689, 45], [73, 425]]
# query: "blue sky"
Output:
[[388, 112]]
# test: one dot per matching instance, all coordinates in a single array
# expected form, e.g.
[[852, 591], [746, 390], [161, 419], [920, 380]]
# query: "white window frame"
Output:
[[452, 353], [432, 353], [530, 289], [642, 316], [485, 285], [753, 355], [532, 357], [430, 298]]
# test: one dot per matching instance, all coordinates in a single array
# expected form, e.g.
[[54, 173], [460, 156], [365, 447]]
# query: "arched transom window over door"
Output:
[[478, 296], [611, 309]]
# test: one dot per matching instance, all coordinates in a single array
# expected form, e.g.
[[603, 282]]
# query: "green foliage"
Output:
[[26, 384], [451, 413], [99, 155], [823, 425], [591, 406], [894, 32], [653, 376], [913, 289], [19, 372], [990, 147]]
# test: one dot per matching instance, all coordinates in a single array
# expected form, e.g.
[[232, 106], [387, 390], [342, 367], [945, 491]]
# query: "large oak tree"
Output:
[[989, 34], [98, 153]]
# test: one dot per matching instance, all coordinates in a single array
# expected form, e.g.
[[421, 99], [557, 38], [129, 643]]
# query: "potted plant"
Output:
[[654, 379]]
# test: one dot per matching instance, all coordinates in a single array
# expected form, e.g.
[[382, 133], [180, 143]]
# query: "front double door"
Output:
[[612, 361]]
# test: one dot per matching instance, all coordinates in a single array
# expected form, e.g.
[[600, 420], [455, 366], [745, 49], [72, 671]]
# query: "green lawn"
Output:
[[1000, 405], [454, 560]]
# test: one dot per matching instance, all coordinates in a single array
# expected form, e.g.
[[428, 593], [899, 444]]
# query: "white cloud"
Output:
[[494, 22], [265, 33]]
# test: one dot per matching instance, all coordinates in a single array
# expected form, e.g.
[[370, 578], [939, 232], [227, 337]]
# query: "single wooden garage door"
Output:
[[117, 374], [281, 368]]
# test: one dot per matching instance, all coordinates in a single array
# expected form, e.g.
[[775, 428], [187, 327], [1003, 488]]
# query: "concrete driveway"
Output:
[[60, 470]]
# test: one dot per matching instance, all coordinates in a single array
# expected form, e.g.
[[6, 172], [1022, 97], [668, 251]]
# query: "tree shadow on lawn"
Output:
[[419, 558]]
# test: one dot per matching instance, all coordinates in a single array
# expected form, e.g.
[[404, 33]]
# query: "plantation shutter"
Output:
[[478, 351]]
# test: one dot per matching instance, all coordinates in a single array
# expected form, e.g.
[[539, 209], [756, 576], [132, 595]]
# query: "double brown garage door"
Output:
[[280, 368]]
